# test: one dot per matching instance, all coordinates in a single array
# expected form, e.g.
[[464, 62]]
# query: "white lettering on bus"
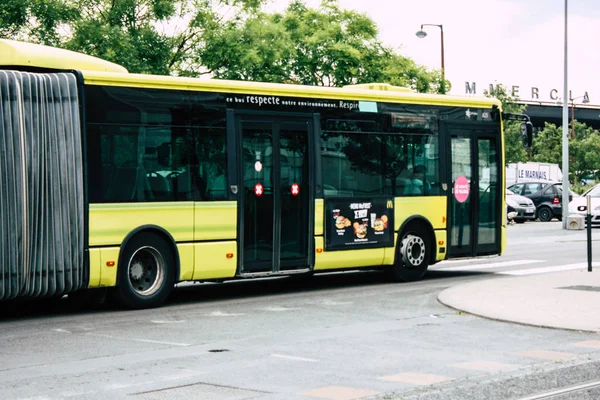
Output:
[[260, 100]]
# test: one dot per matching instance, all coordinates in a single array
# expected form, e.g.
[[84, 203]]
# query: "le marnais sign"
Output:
[[517, 92]]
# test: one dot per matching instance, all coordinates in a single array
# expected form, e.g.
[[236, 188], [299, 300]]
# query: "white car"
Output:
[[579, 204], [521, 205]]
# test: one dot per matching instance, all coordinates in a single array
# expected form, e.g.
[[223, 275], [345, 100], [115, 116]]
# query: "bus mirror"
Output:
[[527, 133]]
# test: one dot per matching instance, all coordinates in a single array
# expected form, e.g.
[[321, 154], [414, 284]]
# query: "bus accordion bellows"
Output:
[[133, 182]]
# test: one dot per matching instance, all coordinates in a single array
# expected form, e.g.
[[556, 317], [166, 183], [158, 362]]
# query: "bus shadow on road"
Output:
[[189, 293], [299, 284]]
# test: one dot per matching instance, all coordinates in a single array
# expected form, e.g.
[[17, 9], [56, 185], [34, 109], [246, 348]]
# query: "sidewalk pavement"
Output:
[[563, 300]]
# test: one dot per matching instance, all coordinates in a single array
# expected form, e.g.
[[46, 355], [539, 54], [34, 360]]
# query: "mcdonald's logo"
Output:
[[390, 204]]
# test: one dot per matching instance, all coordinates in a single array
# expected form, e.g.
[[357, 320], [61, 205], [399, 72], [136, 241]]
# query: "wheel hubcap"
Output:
[[413, 250], [146, 271], [545, 214]]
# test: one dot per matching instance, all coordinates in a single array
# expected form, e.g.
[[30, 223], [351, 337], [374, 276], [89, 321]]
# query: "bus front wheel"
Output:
[[146, 272], [413, 253]]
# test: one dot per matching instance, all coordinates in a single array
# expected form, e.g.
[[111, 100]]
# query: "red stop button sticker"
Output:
[[461, 189], [295, 189]]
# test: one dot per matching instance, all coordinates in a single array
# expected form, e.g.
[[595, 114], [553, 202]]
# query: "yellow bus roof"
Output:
[[23, 54], [367, 92], [100, 72]]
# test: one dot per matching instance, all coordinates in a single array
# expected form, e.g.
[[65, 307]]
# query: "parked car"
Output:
[[579, 204], [547, 198], [521, 205]]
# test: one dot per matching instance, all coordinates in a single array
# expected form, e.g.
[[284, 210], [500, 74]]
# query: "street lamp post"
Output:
[[421, 34], [584, 101], [565, 130]]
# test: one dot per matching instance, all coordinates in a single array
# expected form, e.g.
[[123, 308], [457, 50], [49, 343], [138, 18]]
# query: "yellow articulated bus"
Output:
[[136, 182]]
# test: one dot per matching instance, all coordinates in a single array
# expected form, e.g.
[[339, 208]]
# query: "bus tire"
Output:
[[413, 254], [146, 273]]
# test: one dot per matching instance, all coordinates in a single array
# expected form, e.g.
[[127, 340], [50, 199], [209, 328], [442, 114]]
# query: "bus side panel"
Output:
[[215, 260], [111, 223], [390, 252], [340, 259], [441, 237], [103, 274], [186, 261], [319, 216], [95, 268], [215, 220], [433, 209]]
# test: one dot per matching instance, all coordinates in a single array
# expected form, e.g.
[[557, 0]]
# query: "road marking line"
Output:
[[543, 270], [140, 340], [294, 358], [489, 265], [160, 321], [223, 314], [416, 378], [336, 303], [278, 309]]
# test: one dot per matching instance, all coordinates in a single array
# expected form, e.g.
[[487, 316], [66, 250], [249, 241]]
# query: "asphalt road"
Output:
[[336, 336]]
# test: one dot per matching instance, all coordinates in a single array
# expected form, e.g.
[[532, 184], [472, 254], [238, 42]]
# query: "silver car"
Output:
[[521, 205]]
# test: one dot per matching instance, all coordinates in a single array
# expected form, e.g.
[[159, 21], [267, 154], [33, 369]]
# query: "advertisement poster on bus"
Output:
[[353, 223]]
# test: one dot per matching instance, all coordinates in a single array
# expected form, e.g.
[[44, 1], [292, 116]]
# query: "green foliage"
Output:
[[36, 20], [327, 46], [147, 36], [229, 39], [513, 140], [547, 145], [584, 149]]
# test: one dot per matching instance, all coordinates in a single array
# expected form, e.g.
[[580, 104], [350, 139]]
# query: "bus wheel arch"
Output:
[[415, 250], [147, 269]]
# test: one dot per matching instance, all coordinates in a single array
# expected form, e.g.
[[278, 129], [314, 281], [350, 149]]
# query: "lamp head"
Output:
[[421, 34], [585, 100]]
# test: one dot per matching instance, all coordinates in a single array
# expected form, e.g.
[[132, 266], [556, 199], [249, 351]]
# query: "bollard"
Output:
[[588, 219]]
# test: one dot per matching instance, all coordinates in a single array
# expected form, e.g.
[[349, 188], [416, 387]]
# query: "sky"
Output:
[[512, 42]]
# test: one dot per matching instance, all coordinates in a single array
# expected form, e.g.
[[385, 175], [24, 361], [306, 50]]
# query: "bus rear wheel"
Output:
[[146, 272], [413, 253]]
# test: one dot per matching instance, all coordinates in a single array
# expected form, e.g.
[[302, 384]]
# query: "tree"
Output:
[[584, 149], [146, 36], [584, 152], [225, 38], [513, 139], [36, 20], [547, 144], [327, 46]]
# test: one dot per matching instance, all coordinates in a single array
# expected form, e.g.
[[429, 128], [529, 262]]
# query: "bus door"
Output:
[[275, 207], [474, 206]]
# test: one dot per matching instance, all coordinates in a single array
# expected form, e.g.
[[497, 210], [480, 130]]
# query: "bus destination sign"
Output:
[[353, 223]]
